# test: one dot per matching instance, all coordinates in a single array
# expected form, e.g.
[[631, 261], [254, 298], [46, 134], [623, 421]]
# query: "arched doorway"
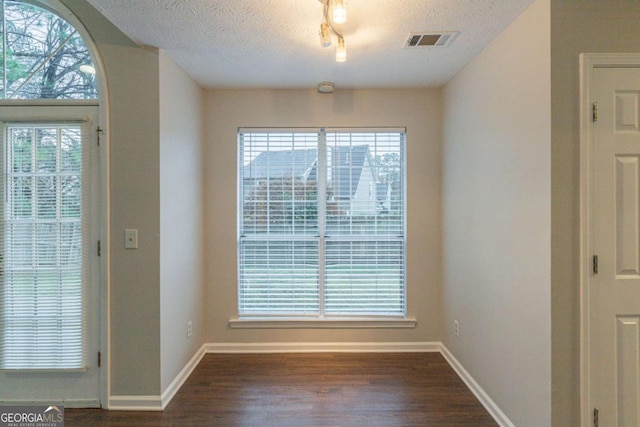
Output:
[[51, 219]]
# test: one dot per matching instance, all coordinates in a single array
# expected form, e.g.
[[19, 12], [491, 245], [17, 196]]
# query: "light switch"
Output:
[[131, 238]]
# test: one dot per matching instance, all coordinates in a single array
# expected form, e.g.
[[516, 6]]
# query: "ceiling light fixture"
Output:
[[335, 12]]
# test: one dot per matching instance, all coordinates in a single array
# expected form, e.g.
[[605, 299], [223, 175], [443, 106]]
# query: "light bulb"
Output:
[[341, 51], [339, 12], [325, 35]]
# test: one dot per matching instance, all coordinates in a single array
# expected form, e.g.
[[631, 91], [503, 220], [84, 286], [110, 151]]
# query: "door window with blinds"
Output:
[[43, 268], [321, 222], [52, 209]]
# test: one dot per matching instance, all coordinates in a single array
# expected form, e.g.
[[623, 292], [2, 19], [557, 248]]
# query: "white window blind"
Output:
[[42, 270], [322, 223]]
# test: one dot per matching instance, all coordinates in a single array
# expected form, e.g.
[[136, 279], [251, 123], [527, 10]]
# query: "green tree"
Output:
[[43, 55], [287, 204], [388, 168]]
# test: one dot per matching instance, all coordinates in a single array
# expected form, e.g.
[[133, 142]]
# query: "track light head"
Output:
[[341, 50], [339, 11], [325, 35]]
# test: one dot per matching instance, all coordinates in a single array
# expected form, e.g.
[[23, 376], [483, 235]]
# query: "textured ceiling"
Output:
[[275, 43]]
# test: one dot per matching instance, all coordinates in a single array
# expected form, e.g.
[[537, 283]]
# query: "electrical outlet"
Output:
[[456, 327], [131, 238], [189, 329]]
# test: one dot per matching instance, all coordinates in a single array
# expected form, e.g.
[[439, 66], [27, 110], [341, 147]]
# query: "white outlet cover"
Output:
[[131, 238]]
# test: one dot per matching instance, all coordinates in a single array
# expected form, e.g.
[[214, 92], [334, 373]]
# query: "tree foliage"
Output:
[[284, 203], [388, 168], [42, 56]]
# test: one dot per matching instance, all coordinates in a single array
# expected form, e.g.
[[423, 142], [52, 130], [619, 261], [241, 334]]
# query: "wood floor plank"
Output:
[[319, 389]]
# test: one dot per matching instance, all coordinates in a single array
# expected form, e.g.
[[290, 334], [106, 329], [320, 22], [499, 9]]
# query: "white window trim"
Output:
[[247, 322], [87, 116], [323, 321]]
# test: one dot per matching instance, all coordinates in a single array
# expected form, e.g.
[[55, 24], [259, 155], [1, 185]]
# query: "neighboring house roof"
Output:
[[346, 170], [346, 167], [382, 192], [281, 164]]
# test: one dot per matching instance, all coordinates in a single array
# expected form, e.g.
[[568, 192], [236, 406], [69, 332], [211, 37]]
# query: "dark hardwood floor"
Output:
[[319, 389]]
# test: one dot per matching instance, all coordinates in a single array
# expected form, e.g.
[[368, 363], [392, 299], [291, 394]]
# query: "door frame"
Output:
[[103, 222], [104, 202], [588, 63]]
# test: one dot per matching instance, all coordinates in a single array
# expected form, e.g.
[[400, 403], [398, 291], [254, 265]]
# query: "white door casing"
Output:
[[610, 178], [70, 387]]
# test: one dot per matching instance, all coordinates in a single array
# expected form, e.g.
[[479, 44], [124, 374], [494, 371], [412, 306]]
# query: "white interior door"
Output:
[[614, 288], [49, 271]]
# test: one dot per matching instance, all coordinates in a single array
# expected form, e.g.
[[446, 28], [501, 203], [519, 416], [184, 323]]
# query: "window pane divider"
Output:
[[369, 238], [283, 238], [322, 213]]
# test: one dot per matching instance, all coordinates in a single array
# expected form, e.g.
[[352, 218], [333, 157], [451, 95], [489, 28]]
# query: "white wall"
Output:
[[419, 110], [497, 219], [181, 288]]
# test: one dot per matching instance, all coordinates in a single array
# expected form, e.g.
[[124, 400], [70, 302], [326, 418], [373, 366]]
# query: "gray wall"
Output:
[[156, 187], [576, 26], [132, 75], [497, 218], [181, 290], [419, 110]]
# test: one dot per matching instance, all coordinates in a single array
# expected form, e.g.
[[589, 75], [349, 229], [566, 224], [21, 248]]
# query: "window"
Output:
[[322, 223], [42, 263], [48, 281], [42, 56]]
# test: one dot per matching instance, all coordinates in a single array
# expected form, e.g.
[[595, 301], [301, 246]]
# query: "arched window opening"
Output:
[[42, 56]]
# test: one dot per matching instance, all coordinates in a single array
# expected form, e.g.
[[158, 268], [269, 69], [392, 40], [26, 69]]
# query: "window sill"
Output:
[[337, 323]]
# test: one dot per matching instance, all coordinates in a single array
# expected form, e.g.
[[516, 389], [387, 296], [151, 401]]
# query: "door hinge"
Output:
[[596, 421], [99, 249], [98, 132], [595, 264], [595, 111], [99, 359]]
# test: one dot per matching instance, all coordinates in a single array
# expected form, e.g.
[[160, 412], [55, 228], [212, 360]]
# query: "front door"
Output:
[[49, 268], [614, 288]]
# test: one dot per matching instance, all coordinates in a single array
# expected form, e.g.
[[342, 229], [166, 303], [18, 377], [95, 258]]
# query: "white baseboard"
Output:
[[324, 347], [157, 403], [179, 380], [481, 395], [135, 403]]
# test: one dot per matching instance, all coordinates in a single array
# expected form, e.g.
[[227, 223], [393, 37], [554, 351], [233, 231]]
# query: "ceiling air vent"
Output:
[[430, 39]]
